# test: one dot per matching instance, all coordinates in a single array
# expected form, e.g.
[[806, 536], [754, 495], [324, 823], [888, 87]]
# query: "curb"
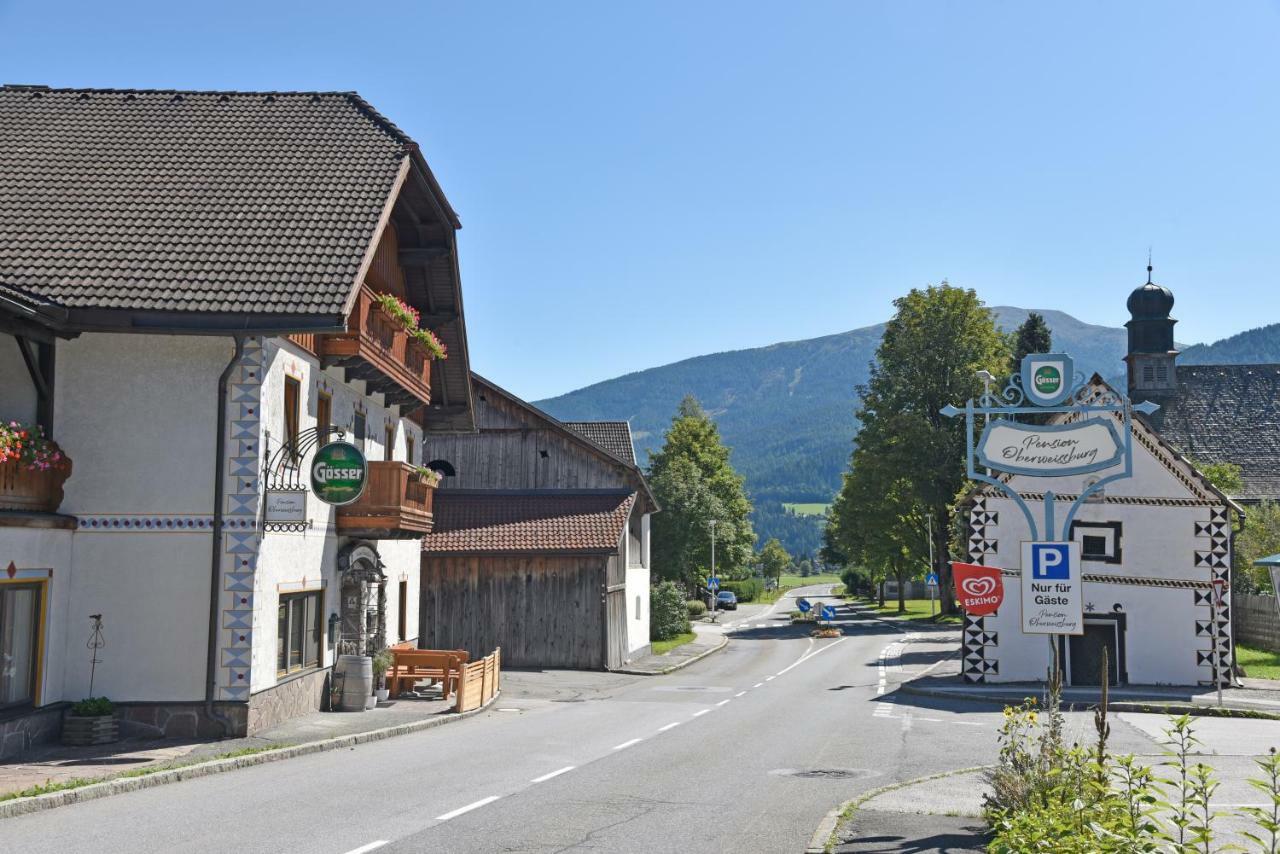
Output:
[[724, 641], [1142, 706], [93, 791], [822, 838]]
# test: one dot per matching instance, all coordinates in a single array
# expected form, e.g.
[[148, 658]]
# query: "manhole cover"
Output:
[[825, 773]]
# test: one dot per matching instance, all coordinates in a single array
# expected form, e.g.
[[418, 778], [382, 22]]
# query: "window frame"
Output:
[[324, 415], [38, 590], [389, 440], [359, 428], [292, 413], [1104, 530], [291, 630], [402, 617]]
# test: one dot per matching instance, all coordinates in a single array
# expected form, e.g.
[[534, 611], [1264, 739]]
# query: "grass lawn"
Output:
[[807, 509], [804, 581], [1258, 663], [917, 609], [660, 647]]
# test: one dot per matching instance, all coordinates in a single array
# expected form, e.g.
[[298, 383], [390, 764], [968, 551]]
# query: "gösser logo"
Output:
[[338, 473], [1048, 379]]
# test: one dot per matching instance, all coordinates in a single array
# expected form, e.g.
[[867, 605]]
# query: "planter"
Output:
[[370, 702], [382, 694], [34, 491], [80, 731]]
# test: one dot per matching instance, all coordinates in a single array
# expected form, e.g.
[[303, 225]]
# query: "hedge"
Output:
[[668, 615], [747, 590]]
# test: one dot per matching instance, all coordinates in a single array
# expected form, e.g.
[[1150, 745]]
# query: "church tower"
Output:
[[1151, 350]]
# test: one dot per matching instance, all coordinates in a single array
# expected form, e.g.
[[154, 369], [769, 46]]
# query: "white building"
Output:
[[189, 281], [1151, 546]]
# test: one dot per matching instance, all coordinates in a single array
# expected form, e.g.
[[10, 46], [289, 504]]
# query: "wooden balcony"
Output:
[[377, 349], [396, 505]]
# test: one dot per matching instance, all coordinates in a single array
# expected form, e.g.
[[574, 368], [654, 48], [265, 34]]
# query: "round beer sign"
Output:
[[1048, 380], [338, 473]]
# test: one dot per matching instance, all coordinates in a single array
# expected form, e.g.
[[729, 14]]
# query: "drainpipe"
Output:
[[215, 553]]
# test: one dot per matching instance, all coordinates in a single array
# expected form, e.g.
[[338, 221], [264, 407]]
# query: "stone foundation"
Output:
[[41, 726], [299, 696], [180, 720]]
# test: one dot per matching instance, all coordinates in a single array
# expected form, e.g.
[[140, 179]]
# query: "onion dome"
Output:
[[1150, 300]]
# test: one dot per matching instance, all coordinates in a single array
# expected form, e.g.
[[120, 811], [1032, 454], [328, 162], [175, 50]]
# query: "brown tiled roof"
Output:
[[506, 522], [1226, 413], [613, 436], [261, 202]]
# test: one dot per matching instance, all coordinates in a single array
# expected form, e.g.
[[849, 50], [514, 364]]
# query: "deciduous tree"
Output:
[[774, 560]]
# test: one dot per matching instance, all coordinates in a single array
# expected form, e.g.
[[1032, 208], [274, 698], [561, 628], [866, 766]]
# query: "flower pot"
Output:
[[35, 491], [78, 731], [382, 694], [370, 702]]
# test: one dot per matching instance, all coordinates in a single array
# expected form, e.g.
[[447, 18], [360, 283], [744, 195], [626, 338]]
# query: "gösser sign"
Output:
[[1047, 378], [1050, 450], [338, 473], [1051, 599]]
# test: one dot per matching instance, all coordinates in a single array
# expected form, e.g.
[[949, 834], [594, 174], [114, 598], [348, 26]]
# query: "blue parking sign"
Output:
[[1050, 561]]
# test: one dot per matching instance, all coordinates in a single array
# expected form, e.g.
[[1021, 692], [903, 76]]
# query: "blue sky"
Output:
[[640, 183]]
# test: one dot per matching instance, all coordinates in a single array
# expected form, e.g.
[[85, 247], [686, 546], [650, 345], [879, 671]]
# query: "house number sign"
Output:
[[339, 473]]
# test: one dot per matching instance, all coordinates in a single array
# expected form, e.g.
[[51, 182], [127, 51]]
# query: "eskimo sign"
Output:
[[1050, 450], [1051, 589]]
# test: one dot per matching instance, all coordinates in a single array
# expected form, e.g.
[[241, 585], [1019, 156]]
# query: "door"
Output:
[[1085, 653], [19, 643]]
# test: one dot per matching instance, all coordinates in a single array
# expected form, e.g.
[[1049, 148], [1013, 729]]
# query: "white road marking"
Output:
[[810, 655], [669, 726], [757, 685], [371, 846], [722, 702], [967, 723], [740, 693], [906, 721], [700, 713], [770, 678], [545, 777], [627, 744], [468, 808]]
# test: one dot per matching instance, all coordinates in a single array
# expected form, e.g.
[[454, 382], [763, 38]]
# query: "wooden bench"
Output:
[[414, 665]]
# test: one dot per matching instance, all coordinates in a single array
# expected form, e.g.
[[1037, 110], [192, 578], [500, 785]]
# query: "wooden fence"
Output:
[[1257, 620], [479, 681]]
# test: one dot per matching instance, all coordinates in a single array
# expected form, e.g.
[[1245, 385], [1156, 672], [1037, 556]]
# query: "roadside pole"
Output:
[[712, 593], [933, 570]]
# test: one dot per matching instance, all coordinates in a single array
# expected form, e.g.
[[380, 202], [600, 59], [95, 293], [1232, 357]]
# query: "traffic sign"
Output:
[[713, 583], [804, 606], [828, 613], [932, 580]]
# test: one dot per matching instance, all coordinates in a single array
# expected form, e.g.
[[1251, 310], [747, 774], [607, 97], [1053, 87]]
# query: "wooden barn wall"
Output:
[[616, 613], [508, 454], [543, 610], [385, 274]]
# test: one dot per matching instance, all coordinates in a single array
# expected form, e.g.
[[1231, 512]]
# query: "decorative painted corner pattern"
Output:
[[240, 536], [980, 656], [1213, 626]]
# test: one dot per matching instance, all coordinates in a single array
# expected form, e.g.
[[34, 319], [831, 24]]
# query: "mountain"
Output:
[[786, 410]]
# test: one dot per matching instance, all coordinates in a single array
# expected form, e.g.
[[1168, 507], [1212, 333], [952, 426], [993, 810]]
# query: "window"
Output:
[[444, 467], [298, 633], [19, 641], [637, 607], [1162, 372], [357, 430], [292, 398], [389, 443], [324, 416], [408, 447], [404, 610], [1099, 541]]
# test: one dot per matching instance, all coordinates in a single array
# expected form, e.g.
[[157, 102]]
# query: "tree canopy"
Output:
[[908, 459], [1033, 336], [692, 479], [774, 560]]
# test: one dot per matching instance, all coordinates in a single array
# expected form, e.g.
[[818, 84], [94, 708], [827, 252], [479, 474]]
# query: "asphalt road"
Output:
[[745, 750]]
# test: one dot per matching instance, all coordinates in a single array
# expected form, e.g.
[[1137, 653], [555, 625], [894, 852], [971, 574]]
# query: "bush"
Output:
[[668, 615], [857, 582], [747, 590], [93, 707], [696, 607]]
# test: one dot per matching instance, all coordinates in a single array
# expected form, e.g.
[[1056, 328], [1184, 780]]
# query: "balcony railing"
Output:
[[396, 505], [377, 349]]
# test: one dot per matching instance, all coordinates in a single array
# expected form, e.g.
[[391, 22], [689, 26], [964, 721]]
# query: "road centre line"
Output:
[[770, 678], [810, 655], [627, 744], [672, 725], [700, 713], [378, 843], [757, 685], [468, 808], [722, 702], [740, 693], [545, 777]]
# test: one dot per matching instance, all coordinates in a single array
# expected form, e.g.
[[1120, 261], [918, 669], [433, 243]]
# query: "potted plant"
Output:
[[428, 477], [32, 469], [383, 660], [408, 317], [90, 721]]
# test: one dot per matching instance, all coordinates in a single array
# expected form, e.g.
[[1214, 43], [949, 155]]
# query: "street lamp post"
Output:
[[712, 593]]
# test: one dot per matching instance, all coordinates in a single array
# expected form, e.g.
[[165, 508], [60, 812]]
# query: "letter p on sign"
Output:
[[1050, 561]]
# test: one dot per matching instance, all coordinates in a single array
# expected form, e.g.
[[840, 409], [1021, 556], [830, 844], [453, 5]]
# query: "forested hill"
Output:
[[1257, 346], [787, 410]]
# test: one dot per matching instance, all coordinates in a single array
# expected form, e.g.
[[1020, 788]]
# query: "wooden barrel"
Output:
[[357, 681]]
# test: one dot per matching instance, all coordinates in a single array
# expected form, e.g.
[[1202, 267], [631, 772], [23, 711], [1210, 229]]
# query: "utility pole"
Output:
[[712, 523], [933, 591]]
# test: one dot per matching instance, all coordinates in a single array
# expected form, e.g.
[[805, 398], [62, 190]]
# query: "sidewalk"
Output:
[[54, 764], [938, 813], [709, 638]]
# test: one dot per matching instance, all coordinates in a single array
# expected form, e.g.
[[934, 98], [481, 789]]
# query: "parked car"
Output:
[[727, 600]]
